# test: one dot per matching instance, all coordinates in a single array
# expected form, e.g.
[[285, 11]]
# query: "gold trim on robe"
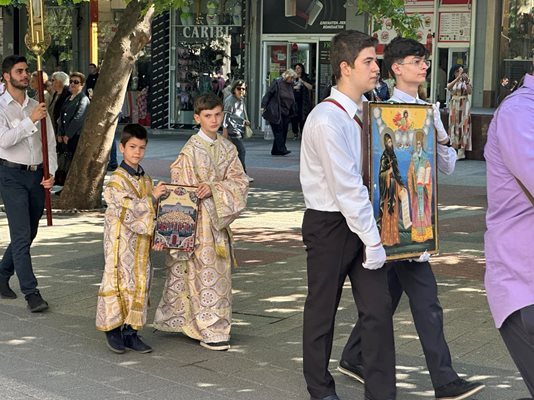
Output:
[[197, 295], [128, 229]]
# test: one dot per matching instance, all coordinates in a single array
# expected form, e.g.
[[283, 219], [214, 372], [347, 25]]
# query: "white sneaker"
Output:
[[250, 179]]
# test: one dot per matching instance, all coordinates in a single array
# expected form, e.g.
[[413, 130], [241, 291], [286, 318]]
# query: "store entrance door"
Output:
[[278, 56]]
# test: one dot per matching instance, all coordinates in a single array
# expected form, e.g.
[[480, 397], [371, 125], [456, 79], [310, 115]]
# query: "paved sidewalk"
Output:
[[59, 355]]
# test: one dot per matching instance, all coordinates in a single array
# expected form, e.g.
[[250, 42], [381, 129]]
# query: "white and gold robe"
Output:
[[128, 229], [197, 296]]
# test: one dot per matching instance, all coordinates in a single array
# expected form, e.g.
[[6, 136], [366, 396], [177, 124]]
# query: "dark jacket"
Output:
[[271, 103], [57, 102], [72, 116]]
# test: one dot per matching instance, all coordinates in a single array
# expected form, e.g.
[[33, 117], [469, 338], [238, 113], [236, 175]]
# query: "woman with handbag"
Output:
[[236, 125], [278, 106]]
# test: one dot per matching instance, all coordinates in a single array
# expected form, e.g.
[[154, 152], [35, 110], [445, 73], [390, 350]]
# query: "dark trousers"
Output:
[[419, 283], [241, 151], [518, 335], [280, 136], [23, 198], [297, 125], [333, 253]]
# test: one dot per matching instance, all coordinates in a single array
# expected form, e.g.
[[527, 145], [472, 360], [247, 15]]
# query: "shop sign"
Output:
[[205, 31], [303, 16]]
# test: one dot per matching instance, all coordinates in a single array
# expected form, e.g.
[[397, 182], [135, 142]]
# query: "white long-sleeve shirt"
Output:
[[446, 156], [20, 138], [331, 166]]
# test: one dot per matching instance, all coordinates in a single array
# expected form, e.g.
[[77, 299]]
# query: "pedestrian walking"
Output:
[[406, 60], [277, 107], [197, 294], [128, 228], [22, 184], [508, 240], [236, 120], [339, 229]]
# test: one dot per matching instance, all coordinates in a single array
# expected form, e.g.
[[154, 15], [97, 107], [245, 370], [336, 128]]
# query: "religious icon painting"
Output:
[[402, 177], [176, 221]]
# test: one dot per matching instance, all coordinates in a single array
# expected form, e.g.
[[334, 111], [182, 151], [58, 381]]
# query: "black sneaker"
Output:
[[114, 341], [36, 302], [5, 290], [458, 389], [353, 371], [218, 346], [133, 341]]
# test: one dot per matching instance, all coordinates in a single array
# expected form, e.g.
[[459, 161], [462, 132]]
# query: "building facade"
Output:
[[206, 43]]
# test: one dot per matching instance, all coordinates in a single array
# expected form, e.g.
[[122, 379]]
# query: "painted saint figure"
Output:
[[391, 184], [420, 189]]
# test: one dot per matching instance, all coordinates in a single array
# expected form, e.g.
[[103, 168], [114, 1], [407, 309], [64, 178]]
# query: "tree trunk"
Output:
[[83, 187]]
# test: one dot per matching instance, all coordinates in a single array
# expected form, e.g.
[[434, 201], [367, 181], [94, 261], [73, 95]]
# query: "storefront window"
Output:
[[517, 44], [207, 42]]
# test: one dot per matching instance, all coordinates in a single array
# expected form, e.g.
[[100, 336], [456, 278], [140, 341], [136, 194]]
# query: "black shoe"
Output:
[[458, 389], [36, 302], [219, 346], [133, 341], [114, 341], [285, 153], [329, 397], [5, 290], [353, 371]]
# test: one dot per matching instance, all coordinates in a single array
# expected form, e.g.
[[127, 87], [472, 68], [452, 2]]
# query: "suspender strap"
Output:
[[525, 190], [364, 143], [356, 117]]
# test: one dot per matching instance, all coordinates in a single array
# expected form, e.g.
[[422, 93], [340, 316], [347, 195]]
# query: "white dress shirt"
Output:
[[331, 166], [20, 138], [446, 156]]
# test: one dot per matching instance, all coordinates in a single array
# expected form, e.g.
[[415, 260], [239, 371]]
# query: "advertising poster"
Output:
[[454, 27], [303, 16], [385, 32]]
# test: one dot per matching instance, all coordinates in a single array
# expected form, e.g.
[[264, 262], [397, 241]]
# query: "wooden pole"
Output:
[[44, 141]]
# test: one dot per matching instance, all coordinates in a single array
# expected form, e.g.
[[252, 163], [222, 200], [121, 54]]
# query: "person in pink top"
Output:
[[509, 238]]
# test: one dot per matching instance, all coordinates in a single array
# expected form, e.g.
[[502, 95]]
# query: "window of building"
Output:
[[207, 53], [517, 44]]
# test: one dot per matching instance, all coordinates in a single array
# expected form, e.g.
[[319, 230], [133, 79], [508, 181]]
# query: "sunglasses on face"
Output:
[[74, 82]]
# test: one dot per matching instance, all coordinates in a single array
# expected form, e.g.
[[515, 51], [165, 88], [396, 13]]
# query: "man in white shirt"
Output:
[[22, 184], [406, 59], [339, 229]]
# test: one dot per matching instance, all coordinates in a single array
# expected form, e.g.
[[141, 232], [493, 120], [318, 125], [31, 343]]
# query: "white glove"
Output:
[[423, 257], [375, 257], [442, 134]]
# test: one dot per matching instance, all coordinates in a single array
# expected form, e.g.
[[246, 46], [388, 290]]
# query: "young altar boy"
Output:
[[197, 296], [128, 228]]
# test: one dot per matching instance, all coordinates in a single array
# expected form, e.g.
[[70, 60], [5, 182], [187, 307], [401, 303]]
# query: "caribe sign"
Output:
[[206, 32]]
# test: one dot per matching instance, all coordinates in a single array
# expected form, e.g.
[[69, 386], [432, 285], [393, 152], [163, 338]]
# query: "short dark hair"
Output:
[[92, 65], [400, 48], [346, 46], [79, 75], [133, 131], [207, 102], [10, 61]]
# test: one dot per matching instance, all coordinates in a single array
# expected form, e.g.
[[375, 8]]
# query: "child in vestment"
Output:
[[128, 229], [197, 296]]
